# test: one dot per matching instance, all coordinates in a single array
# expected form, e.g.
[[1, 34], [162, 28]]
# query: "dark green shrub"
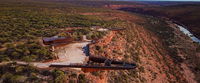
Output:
[[59, 76], [82, 78]]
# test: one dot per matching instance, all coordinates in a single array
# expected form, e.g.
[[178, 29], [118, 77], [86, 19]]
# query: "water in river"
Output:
[[186, 32]]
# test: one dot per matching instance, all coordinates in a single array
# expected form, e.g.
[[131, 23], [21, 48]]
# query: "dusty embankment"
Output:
[[155, 48], [178, 46]]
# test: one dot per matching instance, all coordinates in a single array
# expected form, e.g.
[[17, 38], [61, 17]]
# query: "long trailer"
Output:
[[94, 67], [109, 64], [110, 61]]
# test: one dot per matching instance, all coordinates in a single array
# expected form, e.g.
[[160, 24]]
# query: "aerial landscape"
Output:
[[99, 41]]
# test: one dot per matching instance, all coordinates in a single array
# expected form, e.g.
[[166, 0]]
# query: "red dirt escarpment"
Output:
[[138, 44]]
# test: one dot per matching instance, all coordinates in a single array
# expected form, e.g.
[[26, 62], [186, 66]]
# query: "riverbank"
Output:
[[184, 30]]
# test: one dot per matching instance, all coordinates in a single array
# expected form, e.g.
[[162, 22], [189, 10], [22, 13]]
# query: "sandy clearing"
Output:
[[72, 53]]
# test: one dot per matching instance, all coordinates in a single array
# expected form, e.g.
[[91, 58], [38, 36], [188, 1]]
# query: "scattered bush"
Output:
[[59, 76], [29, 51], [82, 78]]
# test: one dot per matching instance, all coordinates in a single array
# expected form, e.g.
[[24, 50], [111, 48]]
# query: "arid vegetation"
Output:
[[20, 22], [158, 49], [28, 51]]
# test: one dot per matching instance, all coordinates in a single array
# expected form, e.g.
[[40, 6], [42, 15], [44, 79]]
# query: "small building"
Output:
[[56, 40]]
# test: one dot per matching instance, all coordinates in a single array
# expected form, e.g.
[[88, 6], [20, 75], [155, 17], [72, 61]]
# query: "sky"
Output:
[[174, 0], [166, 0]]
